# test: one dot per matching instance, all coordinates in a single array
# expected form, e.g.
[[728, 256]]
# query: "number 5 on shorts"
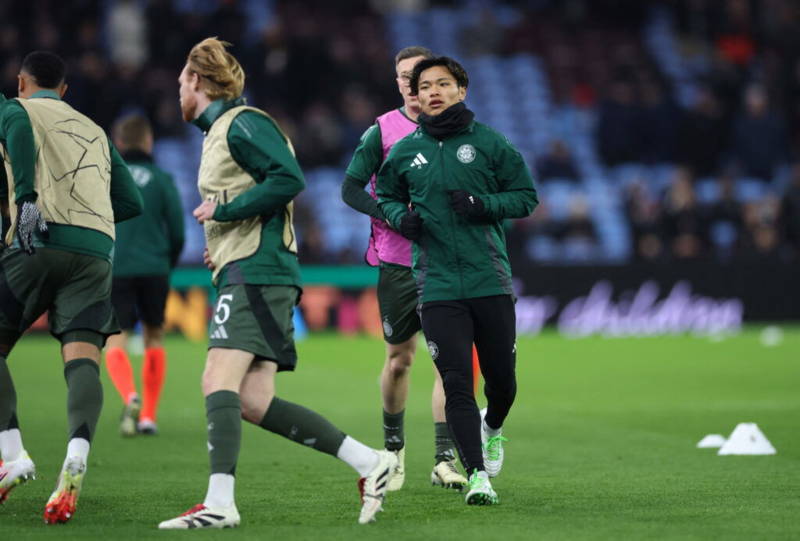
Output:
[[223, 311]]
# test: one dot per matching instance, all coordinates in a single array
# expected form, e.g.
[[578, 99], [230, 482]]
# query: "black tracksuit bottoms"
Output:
[[451, 327]]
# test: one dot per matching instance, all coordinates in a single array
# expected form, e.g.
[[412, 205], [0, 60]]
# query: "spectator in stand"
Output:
[[761, 239], [759, 136], [618, 125], [657, 123], [791, 99], [320, 142], [485, 36], [725, 218], [577, 233], [557, 163], [684, 224], [734, 33], [644, 216], [790, 213], [312, 246], [534, 237], [701, 136]]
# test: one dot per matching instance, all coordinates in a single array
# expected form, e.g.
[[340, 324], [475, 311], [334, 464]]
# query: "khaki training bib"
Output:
[[73, 168], [222, 179]]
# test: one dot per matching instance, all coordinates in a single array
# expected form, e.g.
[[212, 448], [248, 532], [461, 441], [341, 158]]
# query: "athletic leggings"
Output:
[[451, 327]]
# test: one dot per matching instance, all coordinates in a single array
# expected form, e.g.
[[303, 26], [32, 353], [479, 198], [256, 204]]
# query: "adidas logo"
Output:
[[220, 333], [419, 161], [203, 520]]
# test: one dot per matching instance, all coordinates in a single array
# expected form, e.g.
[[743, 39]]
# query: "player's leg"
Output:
[[448, 328], [81, 353], [495, 339], [25, 293], [16, 467], [270, 310], [82, 318], [445, 472], [118, 364], [261, 407], [154, 369], [395, 378], [222, 379], [154, 366], [120, 371], [235, 338], [397, 300]]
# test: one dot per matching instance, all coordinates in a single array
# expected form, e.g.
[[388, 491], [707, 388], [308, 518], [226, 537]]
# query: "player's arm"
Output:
[[17, 132], [260, 149], [126, 200], [5, 219], [517, 196], [365, 162], [173, 219], [392, 191]]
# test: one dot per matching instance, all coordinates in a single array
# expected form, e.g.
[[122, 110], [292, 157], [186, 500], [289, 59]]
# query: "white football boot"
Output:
[[13, 473], [373, 486], [201, 516]]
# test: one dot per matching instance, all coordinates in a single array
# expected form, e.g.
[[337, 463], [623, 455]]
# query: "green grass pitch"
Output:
[[601, 446]]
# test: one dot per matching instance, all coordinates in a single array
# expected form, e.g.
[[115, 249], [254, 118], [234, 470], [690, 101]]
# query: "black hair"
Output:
[[46, 68], [456, 70]]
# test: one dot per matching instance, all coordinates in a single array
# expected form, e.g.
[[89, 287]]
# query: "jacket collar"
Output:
[[469, 128], [215, 110], [52, 94], [137, 156]]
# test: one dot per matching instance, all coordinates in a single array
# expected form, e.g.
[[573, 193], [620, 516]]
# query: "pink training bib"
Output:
[[386, 244]]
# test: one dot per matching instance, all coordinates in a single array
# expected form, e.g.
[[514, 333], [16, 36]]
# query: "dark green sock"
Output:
[[84, 397], [444, 442], [224, 416], [8, 398], [302, 425], [393, 437]]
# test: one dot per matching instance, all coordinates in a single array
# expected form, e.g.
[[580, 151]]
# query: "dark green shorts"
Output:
[[256, 319], [75, 290], [397, 299]]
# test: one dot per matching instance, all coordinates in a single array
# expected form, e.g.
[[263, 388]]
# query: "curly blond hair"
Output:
[[221, 75]]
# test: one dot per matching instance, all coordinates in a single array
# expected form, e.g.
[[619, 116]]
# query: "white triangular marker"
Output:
[[747, 439], [711, 441]]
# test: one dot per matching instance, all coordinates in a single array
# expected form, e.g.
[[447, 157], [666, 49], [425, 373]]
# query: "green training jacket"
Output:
[[457, 258], [150, 244], [259, 148]]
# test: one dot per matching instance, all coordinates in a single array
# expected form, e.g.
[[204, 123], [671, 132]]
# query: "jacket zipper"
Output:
[[452, 221]]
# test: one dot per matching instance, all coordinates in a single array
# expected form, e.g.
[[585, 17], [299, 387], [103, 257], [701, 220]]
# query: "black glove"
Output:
[[467, 205], [29, 220], [411, 225]]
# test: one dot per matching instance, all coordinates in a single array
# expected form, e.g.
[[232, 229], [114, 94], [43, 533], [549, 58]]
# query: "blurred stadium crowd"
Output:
[[657, 131]]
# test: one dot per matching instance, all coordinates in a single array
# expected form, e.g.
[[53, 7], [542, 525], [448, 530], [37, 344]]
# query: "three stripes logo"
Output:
[[220, 333], [418, 161], [380, 484], [379, 487], [202, 520]]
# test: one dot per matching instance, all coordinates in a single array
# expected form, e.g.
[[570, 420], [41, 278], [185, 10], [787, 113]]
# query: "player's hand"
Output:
[[205, 211], [466, 205], [207, 260], [411, 225], [29, 221]]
